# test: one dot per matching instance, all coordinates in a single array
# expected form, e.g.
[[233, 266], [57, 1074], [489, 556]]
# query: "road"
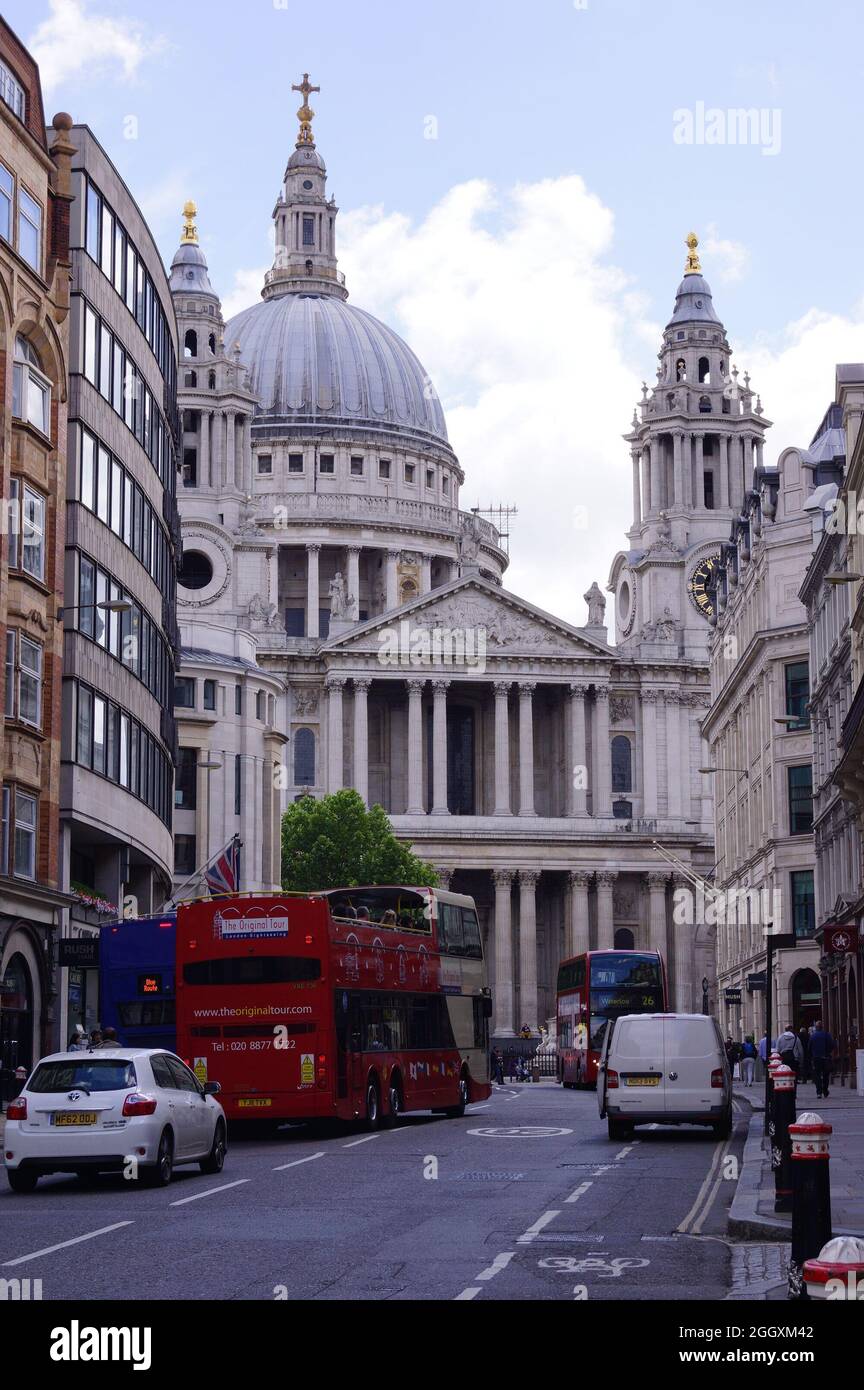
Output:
[[524, 1198]]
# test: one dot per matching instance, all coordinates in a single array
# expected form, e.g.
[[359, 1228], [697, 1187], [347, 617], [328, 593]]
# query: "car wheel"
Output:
[[373, 1107], [455, 1112], [215, 1160], [159, 1174], [21, 1180], [619, 1129]]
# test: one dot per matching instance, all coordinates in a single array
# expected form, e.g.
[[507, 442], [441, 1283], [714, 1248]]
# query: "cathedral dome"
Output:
[[314, 359]]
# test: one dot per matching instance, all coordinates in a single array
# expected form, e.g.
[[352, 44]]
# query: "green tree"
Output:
[[336, 842]]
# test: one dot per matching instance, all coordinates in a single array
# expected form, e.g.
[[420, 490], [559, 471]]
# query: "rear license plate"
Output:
[[259, 1103], [642, 1080], [74, 1117]]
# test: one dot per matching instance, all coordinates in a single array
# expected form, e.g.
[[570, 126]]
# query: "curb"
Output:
[[745, 1221]]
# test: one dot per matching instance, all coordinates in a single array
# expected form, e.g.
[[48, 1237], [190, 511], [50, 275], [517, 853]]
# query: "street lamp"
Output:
[[108, 605], [742, 770]]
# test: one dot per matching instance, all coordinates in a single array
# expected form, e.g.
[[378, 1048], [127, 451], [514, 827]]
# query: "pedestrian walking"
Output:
[[748, 1059], [790, 1049], [804, 1039], [763, 1049], [497, 1066], [822, 1048]]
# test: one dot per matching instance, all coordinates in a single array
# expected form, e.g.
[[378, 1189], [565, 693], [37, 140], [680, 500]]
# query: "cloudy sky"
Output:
[[516, 182]]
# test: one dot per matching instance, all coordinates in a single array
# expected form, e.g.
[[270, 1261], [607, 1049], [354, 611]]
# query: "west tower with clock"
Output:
[[695, 439]]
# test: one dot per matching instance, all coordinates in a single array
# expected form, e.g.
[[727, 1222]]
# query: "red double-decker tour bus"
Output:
[[352, 1003], [594, 988]]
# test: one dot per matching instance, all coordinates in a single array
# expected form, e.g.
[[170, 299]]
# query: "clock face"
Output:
[[697, 585]]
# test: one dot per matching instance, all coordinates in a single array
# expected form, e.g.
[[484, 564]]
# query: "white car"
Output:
[[667, 1069], [138, 1110]]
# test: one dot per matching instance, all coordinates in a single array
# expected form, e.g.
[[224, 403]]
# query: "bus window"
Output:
[[451, 938], [471, 934]]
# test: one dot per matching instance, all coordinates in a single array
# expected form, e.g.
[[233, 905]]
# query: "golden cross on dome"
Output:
[[190, 231], [305, 112], [692, 267]]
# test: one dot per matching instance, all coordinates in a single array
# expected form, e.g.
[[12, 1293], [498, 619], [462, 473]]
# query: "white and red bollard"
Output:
[[811, 1196], [838, 1273]]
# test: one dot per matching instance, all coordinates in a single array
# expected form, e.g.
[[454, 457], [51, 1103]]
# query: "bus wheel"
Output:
[[394, 1102], [373, 1106], [455, 1112]]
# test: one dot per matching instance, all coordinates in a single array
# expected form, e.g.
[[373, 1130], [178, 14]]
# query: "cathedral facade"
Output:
[[345, 623]]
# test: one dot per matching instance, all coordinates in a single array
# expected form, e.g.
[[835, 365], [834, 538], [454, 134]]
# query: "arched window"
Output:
[[211, 381], [680, 370], [190, 379], [31, 391], [211, 343], [190, 343], [670, 400], [622, 764], [624, 939], [304, 758], [705, 405], [704, 370]]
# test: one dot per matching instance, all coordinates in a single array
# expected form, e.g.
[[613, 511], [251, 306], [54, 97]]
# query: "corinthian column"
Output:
[[605, 914], [416, 799], [312, 553], [602, 788], [577, 797], [637, 497], [361, 737], [502, 748], [657, 911], [335, 686], [684, 934], [526, 749], [578, 929], [649, 754], [674, 789], [439, 749], [503, 880], [528, 946]]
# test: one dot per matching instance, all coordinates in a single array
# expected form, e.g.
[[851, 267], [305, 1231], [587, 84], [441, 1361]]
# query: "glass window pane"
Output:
[[100, 618], [98, 734], [6, 187], [33, 552], [86, 596], [107, 241], [105, 362], [30, 681], [116, 498], [29, 229], [93, 234], [103, 486], [91, 329], [25, 835], [88, 449], [10, 679], [84, 753]]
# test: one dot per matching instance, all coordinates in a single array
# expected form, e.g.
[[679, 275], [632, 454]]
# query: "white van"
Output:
[[666, 1069]]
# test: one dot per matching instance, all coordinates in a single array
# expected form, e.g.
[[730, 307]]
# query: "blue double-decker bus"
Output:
[[136, 980]]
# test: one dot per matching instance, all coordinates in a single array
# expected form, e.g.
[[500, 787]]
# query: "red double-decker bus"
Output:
[[594, 988], [353, 1003]]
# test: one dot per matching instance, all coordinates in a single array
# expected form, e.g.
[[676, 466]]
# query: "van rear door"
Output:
[[691, 1055], [637, 1056]]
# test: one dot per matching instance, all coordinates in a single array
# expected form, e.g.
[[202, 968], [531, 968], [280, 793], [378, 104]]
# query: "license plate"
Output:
[[256, 1104], [75, 1117], [642, 1080]]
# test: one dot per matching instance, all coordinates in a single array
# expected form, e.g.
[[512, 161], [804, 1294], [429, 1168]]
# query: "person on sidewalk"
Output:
[[804, 1039], [748, 1059], [791, 1051], [822, 1048], [763, 1049]]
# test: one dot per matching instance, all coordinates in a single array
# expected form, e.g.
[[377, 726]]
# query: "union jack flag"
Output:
[[223, 875]]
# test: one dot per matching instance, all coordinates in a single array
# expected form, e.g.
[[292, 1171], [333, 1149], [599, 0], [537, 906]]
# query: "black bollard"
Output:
[[773, 1063], [811, 1196], [781, 1143]]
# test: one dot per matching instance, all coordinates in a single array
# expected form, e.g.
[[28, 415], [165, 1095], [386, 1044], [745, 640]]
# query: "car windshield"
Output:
[[94, 1074]]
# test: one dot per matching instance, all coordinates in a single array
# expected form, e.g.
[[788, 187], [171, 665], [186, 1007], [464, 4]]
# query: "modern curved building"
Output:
[[117, 785], [530, 761]]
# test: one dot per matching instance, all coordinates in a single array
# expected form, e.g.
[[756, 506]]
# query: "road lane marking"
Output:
[[624, 1152], [364, 1140], [211, 1191], [500, 1262], [535, 1230], [574, 1196], [692, 1225], [710, 1199], [63, 1244], [296, 1161], [467, 1293]]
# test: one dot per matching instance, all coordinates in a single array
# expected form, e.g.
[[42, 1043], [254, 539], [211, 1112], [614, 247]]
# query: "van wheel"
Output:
[[619, 1129], [21, 1179], [373, 1107], [722, 1129]]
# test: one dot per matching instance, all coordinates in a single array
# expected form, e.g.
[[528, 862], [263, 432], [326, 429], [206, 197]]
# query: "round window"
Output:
[[307, 183], [624, 602], [196, 570]]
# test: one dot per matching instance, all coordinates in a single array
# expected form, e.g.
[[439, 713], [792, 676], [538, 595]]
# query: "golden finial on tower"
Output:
[[692, 267], [190, 231], [305, 113]]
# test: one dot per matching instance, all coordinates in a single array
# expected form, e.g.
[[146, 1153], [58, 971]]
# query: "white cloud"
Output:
[[729, 260], [74, 41], [246, 290], [536, 344]]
